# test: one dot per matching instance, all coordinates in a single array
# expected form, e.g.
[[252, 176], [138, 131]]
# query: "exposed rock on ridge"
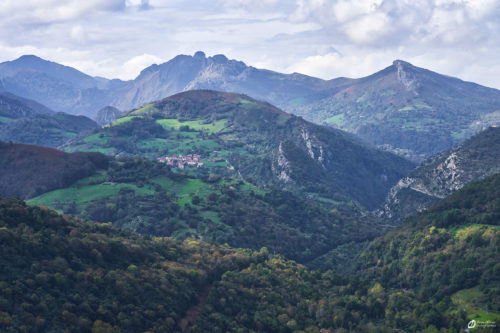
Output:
[[443, 174]]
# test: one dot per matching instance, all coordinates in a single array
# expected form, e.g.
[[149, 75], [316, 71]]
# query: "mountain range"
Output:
[[214, 211], [405, 109], [59, 87], [409, 110]]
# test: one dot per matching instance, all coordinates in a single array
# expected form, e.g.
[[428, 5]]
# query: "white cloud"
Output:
[[133, 66], [469, 66], [139, 4], [326, 38], [247, 4], [367, 28], [78, 33], [47, 11], [347, 10], [334, 65]]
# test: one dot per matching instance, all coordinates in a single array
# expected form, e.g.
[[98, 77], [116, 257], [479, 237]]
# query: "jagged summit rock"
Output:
[[199, 55], [399, 62], [406, 75], [408, 110]]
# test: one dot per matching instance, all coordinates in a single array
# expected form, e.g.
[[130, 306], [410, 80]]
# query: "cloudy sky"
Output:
[[323, 38]]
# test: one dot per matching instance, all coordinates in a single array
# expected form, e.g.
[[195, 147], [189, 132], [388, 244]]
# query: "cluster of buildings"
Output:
[[190, 160]]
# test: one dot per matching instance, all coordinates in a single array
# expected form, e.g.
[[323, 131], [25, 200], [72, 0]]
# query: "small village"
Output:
[[189, 160]]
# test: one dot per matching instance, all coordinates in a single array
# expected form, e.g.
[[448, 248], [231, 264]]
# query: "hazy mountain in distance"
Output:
[[107, 115], [186, 72], [49, 68], [78, 93], [14, 107], [49, 130], [62, 88], [441, 175], [26, 121], [405, 109]]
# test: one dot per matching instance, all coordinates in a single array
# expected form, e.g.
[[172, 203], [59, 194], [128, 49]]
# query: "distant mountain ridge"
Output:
[[62, 88], [26, 121], [184, 73], [48, 130], [55, 70], [14, 107], [409, 110], [403, 108]]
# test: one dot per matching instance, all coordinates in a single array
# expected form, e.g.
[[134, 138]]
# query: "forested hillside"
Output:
[[435, 272], [448, 257], [239, 136], [66, 274], [27, 171], [147, 197], [48, 130]]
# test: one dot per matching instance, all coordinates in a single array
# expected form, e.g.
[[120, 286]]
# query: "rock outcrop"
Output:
[[107, 115], [443, 174]]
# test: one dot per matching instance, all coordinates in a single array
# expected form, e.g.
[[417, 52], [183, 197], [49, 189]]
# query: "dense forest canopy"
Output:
[[435, 272]]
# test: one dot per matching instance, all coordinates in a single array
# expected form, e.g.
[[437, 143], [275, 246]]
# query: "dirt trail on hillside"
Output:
[[192, 312]]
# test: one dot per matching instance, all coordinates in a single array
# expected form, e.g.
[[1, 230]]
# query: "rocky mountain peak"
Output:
[[406, 75], [150, 69], [29, 59], [402, 63], [199, 55], [220, 58]]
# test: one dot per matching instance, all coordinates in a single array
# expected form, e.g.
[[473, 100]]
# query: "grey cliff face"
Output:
[[107, 115], [443, 174]]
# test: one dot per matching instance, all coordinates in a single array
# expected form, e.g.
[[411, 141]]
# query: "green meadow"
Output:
[[337, 119], [5, 119], [123, 120], [196, 125], [83, 194], [184, 189], [475, 304]]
